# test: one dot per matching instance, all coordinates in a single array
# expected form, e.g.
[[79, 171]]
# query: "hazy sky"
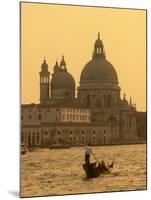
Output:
[[55, 30]]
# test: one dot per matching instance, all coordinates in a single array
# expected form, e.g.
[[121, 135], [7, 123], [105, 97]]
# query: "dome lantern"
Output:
[[98, 48], [56, 67], [63, 64]]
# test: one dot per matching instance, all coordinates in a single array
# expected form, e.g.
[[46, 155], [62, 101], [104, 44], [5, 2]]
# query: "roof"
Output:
[[62, 80], [56, 104], [99, 70]]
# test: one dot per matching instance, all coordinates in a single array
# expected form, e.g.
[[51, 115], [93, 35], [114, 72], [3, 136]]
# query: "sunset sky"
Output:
[[55, 30]]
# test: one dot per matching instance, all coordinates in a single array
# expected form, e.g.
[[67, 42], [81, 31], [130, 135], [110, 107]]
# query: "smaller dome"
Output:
[[62, 80]]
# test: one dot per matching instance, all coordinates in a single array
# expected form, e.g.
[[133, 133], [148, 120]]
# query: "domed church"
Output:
[[98, 115]]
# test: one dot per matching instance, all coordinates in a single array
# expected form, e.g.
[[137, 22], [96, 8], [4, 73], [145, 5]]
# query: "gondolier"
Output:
[[88, 152]]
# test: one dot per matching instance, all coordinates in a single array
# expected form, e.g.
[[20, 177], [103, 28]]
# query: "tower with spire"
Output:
[[44, 82]]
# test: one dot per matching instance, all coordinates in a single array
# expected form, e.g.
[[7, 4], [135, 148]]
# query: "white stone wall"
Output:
[[75, 115]]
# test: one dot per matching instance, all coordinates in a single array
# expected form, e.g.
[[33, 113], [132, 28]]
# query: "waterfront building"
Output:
[[141, 120], [98, 114]]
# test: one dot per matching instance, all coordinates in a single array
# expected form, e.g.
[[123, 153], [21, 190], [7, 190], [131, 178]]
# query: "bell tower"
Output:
[[44, 82]]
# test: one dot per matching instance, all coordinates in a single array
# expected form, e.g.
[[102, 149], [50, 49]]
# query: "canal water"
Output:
[[59, 171]]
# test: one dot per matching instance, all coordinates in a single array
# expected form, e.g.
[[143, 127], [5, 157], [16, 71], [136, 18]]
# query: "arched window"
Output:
[[104, 100], [104, 139], [109, 100], [39, 116], [29, 139], [105, 76], [88, 100], [46, 141], [33, 139], [22, 137], [67, 93], [59, 140], [37, 138]]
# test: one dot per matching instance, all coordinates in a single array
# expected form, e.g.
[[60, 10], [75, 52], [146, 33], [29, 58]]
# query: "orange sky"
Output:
[[55, 30]]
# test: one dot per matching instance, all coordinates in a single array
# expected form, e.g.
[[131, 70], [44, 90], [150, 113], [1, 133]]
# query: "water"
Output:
[[59, 171]]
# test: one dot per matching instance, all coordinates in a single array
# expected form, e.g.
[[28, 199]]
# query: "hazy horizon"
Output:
[[55, 30]]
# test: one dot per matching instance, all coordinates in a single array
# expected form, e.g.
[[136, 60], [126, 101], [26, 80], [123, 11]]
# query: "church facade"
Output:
[[97, 115]]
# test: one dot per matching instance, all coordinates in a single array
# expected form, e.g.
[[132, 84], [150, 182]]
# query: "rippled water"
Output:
[[59, 171]]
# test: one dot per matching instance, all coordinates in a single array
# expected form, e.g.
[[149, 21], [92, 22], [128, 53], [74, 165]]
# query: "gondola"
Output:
[[92, 170], [23, 149]]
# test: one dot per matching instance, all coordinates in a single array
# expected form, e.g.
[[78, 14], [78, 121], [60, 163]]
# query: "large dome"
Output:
[[62, 80], [99, 70]]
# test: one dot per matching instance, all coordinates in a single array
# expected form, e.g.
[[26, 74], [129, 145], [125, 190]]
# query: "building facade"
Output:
[[141, 120], [97, 114]]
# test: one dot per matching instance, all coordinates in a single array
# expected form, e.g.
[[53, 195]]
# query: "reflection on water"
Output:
[[59, 171]]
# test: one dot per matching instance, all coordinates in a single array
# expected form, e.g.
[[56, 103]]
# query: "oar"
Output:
[[111, 165]]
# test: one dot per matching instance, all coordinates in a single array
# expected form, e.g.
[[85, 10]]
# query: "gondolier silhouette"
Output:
[[88, 152]]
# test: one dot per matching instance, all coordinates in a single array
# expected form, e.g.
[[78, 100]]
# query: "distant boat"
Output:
[[93, 171], [59, 146], [23, 149]]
